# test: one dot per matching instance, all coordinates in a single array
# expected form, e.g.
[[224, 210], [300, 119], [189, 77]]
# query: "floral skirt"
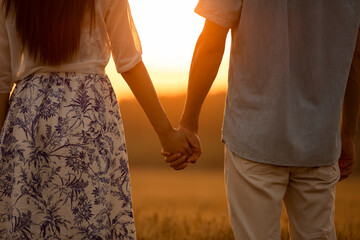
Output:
[[64, 170]]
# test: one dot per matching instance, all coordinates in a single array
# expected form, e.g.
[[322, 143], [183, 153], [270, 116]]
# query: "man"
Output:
[[289, 65]]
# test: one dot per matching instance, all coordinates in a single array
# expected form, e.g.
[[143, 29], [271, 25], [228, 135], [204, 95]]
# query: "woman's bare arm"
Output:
[[140, 84]]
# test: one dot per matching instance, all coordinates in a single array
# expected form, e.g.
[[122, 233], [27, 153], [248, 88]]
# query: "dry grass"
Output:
[[192, 205], [347, 217]]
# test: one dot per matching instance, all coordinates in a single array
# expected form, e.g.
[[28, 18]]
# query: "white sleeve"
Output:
[[225, 13], [5, 58], [124, 40]]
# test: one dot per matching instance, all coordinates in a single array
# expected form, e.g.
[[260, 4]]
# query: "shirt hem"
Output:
[[258, 159]]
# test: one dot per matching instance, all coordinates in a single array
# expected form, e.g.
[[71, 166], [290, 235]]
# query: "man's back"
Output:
[[288, 69], [290, 61]]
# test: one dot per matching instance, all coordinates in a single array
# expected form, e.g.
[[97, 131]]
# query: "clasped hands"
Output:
[[181, 147]]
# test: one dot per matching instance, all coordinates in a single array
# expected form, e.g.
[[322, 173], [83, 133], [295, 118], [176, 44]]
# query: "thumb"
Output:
[[165, 153], [191, 141]]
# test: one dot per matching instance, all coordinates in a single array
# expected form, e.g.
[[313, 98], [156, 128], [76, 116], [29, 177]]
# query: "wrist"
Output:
[[189, 126], [165, 130], [190, 117]]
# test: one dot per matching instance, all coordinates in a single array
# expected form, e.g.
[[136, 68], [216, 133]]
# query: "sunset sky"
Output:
[[168, 32]]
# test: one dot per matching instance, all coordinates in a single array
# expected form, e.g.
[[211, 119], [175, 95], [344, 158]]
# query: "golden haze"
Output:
[[168, 32]]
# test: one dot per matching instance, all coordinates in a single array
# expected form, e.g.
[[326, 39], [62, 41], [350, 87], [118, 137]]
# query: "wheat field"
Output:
[[191, 204]]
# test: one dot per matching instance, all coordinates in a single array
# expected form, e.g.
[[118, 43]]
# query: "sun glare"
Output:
[[168, 32]]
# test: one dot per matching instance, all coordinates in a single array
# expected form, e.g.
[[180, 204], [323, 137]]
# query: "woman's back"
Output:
[[111, 30]]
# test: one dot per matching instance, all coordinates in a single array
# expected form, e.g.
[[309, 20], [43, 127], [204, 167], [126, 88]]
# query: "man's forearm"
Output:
[[351, 106], [205, 64]]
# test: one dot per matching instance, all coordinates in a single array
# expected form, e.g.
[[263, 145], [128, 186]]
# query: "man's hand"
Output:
[[194, 142], [347, 158], [179, 161]]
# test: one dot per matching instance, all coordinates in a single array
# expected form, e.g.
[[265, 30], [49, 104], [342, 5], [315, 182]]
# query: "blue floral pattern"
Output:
[[64, 170]]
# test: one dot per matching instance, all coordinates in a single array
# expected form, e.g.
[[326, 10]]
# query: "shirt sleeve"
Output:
[[124, 40], [5, 58], [225, 13]]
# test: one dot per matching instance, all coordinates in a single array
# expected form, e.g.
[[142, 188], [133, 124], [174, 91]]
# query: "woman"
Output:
[[63, 170]]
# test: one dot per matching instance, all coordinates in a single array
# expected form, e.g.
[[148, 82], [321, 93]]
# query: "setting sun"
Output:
[[168, 32]]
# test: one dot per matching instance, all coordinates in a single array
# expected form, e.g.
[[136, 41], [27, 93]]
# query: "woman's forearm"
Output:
[[139, 81], [140, 84]]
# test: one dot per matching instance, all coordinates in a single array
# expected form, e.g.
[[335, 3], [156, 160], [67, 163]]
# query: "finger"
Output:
[[191, 141], [195, 144], [196, 155], [165, 153], [188, 150], [344, 176], [345, 173], [173, 157], [192, 159], [185, 149], [346, 164], [181, 167], [178, 162]]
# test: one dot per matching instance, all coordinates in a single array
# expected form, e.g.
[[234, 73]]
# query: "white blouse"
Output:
[[114, 32]]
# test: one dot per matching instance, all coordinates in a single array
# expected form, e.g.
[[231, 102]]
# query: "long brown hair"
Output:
[[50, 29]]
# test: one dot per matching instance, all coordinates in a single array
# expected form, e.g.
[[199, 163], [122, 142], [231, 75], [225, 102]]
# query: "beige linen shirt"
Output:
[[289, 64], [114, 33]]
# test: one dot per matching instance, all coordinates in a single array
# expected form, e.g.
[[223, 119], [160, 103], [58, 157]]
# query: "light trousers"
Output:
[[255, 192]]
